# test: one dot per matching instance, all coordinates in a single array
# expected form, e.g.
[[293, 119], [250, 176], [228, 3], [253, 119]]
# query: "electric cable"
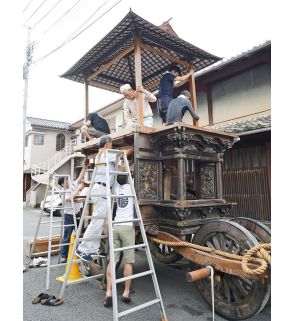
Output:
[[35, 11], [48, 12], [73, 37]]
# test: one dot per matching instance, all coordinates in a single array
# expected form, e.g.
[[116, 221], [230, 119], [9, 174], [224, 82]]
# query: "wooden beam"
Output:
[[111, 62], [104, 86], [138, 78], [192, 88], [86, 99], [165, 55]]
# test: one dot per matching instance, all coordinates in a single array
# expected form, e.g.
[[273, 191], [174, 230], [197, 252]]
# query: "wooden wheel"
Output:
[[236, 298], [164, 253], [261, 232], [258, 229]]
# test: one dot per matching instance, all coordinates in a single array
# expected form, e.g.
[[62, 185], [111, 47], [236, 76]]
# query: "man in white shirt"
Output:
[[94, 229], [123, 235], [72, 191], [130, 106]]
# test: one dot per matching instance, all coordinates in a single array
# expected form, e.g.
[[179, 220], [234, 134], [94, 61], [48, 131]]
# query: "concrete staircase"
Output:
[[41, 172]]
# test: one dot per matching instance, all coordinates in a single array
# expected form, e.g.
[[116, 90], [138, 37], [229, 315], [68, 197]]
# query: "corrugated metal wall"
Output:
[[246, 180]]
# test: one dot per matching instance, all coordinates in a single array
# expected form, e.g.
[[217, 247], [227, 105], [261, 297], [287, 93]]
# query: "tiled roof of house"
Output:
[[225, 61], [243, 126], [48, 123]]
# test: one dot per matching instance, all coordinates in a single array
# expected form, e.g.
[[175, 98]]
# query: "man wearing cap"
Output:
[[178, 107], [131, 103], [90, 247], [166, 88]]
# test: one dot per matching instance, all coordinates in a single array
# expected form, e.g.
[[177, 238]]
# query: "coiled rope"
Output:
[[259, 253]]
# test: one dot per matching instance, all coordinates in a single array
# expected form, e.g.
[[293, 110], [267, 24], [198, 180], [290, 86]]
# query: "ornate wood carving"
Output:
[[148, 180], [207, 178], [189, 142]]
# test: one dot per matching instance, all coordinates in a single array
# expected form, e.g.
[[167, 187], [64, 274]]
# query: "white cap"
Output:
[[125, 87]]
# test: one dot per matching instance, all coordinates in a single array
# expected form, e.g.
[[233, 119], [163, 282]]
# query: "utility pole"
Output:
[[26, 69]]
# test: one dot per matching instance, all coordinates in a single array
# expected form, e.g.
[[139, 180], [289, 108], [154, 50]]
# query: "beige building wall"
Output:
[[244, 94], [40, 153]]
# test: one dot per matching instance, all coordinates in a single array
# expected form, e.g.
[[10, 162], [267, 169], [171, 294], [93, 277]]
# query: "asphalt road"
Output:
[[83, 302]]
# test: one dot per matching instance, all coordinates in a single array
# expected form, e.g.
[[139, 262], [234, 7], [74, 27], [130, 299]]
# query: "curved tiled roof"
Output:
[[48, 123], [246, 125], [153, 66]]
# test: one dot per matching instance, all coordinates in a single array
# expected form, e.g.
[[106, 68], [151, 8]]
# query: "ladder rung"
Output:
[[100, 164], [118, 172], [126, 221], [61, 208], [138, 307], [92, 238], [95, 217], [60, 264], [129, 247], [61, 244], [134, 276], [59, 226], [46, 222], [120, 196], [61, 192]]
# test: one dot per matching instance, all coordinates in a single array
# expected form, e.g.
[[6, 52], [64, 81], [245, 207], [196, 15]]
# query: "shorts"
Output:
[[124, 235], [92, 131]]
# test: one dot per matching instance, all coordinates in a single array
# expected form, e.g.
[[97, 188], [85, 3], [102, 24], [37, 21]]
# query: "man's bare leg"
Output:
[[108, 279], [128, 271]]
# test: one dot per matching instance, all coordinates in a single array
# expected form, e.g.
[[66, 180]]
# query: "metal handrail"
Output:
[[57, 159]]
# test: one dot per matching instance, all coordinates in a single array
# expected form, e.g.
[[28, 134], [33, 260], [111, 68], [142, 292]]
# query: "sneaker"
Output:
[[84, 256], [63, 260], [100, 253]]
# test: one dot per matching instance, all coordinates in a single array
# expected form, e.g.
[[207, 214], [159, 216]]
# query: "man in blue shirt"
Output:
[[178, 106], [166, 87]]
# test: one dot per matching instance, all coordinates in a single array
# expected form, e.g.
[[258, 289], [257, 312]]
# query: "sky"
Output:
[[223, 28]]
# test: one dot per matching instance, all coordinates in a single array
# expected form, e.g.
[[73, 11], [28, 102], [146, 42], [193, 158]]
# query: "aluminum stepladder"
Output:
[[110, 198], [54, 188]]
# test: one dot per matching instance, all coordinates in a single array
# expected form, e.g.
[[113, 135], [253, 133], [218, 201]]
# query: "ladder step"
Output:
[[111, 195], [92, 238], [95, 217], [100, 164], [138, 307], [129, 247], [127, 221], [46, 222], [59, 226], [134, 276], [115, 172], [61, 208]]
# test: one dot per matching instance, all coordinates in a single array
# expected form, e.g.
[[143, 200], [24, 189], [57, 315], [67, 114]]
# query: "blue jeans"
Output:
[[68, 219], [162, 106]]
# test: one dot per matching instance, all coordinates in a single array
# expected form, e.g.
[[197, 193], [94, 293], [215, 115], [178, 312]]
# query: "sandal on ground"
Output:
[[126, 299], [41, 296], [52, 301], [107, 302]]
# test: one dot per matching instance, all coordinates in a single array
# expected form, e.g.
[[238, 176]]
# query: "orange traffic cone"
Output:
[[74, 272]]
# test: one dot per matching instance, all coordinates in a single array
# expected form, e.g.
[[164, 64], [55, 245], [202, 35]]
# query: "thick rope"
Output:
[[261, 251]]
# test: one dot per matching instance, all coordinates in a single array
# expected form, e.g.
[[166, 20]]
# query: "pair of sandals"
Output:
[[47, 299], [108, 301]]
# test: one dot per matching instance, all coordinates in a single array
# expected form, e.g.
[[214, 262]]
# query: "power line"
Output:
[[27, 6], [68, 40], [59, 19], [35, 11], [47, 13]]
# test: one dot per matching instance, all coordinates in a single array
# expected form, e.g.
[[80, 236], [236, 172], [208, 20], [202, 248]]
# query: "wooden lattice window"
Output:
[[60, 142]]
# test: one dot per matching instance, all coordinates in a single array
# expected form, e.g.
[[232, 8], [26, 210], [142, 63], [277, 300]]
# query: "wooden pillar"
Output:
[[138, 78], [86, 98], [209, 106], [192, 88], [219, 180], [182, 179]]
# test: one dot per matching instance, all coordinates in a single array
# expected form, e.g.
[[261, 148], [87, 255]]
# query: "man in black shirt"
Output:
[[95, 125], [178, 106]]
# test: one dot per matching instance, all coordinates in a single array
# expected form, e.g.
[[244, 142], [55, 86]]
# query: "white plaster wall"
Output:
[[41, 153], [243, 94], [202, 110]]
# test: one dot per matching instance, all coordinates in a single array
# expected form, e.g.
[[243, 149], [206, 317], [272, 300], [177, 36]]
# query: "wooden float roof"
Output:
[[111, 63]]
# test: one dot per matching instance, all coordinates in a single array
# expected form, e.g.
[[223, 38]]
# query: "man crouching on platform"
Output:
[[123, 235]]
